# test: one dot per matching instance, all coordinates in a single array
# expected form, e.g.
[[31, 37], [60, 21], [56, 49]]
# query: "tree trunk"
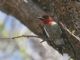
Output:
[[27, 13]]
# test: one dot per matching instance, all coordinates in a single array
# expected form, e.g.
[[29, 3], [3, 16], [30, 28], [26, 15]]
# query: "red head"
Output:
[[46, 19]]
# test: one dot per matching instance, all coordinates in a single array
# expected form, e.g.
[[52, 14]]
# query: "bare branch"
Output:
[[21, 37]]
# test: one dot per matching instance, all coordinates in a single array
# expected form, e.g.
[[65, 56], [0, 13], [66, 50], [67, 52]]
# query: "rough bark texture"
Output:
[[66, 11], [27, 13]]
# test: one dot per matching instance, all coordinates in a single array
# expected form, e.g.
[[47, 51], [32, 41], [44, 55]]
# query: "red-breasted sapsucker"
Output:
[[54, 32]]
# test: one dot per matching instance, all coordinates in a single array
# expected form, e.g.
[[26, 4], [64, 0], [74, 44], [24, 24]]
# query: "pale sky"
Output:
[[16, 55]]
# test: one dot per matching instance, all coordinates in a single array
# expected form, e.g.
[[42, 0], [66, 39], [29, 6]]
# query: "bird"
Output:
[[53, 32]]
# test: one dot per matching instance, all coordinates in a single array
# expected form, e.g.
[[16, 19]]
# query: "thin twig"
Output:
[[21, 37], [67, 30]]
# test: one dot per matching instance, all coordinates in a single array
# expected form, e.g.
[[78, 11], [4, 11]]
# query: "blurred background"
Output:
[[23, 48]]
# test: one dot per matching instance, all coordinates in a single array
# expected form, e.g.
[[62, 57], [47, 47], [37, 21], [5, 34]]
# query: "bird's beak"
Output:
[[40, 18]]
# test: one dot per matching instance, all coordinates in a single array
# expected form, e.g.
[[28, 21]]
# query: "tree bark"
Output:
[[27, 13]]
